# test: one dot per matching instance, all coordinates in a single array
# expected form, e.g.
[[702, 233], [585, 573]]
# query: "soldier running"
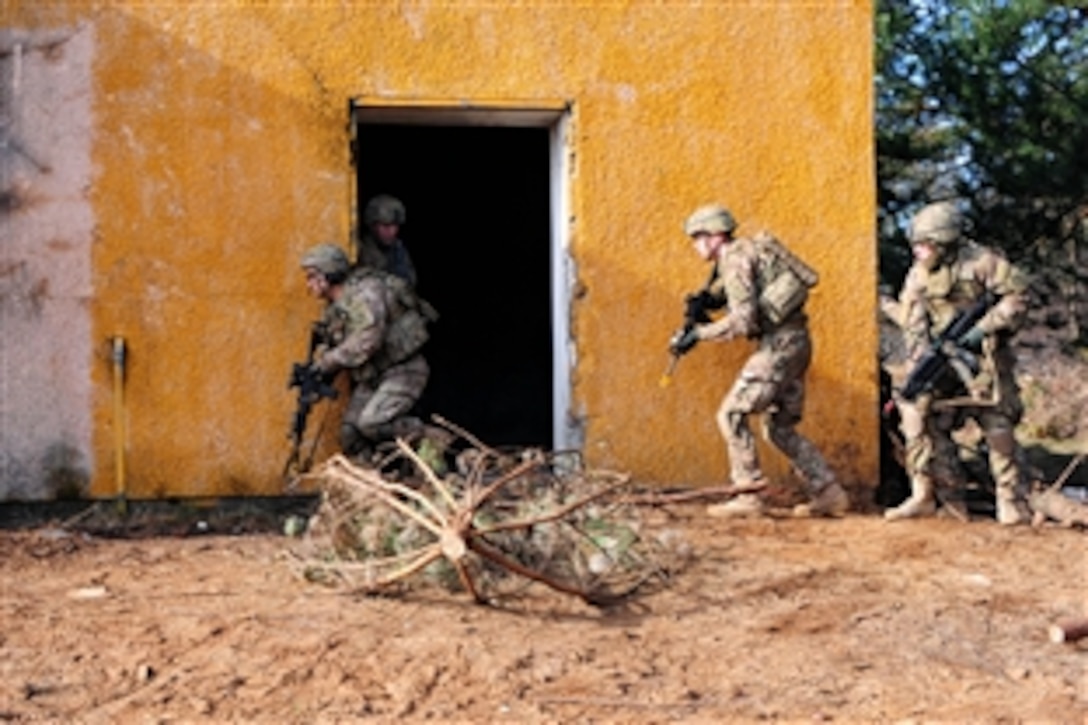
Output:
[[764, 287]]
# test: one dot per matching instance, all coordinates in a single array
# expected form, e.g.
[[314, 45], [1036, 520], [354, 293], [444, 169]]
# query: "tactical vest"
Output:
[[955, 284], [784, 280], [409, 314]]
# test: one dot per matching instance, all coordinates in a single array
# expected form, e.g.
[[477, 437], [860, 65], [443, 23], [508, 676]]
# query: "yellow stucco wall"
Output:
[[220, 148]]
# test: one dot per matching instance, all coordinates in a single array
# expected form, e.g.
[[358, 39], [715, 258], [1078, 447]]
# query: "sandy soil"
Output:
[[785, 619], [194, 615]]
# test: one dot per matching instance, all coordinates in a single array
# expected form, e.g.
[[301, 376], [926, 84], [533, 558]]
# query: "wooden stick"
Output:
[[479, 497], [477, 545], [80, 516], [428, 473], [1069, 630], [665, 497], [553, 515], [1072, 465], [476, 442], [384, 490]]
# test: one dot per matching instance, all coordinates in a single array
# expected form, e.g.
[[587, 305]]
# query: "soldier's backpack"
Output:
[[784, 279], [410, 316]]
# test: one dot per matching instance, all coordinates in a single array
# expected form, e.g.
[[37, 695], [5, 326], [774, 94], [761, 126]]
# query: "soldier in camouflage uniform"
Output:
[[376, 328], [772, 380], [380, 246], [949, 274]]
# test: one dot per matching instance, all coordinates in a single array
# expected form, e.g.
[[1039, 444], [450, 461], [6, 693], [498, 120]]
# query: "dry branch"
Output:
[[503, 519], [661, 498]]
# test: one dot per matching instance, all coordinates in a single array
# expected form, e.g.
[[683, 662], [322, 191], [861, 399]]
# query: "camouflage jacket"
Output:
[[745, 268], [931, 298], [376, 322], [392, 258]]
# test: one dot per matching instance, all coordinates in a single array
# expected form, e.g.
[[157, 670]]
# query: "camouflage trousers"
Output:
[[931, 452], [378, 409], [772, 384]]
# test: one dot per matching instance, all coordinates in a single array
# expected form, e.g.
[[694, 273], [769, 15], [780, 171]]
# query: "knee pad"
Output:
[[352, 441]]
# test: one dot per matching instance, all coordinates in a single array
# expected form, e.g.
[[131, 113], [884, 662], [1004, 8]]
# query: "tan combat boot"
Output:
[[744, 506], [920, 503], [830, 501], [1011, 511]]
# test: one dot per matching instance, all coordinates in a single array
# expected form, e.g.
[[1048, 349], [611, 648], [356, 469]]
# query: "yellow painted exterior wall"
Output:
[[219, 141]]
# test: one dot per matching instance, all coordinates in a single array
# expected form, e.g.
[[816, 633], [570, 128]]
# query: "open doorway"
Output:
[[479, 231]]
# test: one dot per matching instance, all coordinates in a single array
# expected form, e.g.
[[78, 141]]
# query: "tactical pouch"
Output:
[[785, 295], [405, 336], [407, 331], [787, 292]]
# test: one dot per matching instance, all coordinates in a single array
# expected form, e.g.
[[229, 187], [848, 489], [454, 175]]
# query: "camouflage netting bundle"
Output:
[[497, 524]]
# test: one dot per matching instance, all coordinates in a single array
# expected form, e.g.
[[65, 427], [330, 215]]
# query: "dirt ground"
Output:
[[174, 613], [199, 618]]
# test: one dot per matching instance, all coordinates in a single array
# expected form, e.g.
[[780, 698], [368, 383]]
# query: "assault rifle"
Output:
[[944, 351], [696, 312], [312, 387]]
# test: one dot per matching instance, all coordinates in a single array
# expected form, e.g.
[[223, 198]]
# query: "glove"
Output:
[[696, 305], [972, 339], [302, 375], [682, 342], [320, 366]]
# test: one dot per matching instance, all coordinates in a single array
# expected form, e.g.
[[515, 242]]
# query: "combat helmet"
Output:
[[940, 224], [710, 219], [384, 209], [328, 259]]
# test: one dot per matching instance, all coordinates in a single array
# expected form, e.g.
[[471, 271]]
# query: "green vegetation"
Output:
[[986, 101]]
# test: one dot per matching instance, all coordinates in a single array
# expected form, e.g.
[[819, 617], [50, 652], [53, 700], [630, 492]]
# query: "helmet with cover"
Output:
[[329, 259], [710, 219], [384, 209], [939, 224]]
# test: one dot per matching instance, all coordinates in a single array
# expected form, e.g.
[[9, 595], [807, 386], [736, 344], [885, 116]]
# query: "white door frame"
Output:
[[556, 117]]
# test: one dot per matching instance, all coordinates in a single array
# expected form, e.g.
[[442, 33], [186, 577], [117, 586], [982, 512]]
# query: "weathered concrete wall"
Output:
[[200, 147], [46, 234]]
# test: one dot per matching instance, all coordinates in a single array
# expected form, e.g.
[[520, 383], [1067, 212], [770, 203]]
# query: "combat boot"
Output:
[[744, 506], [1011, 511], [920, 503], [361, 455], [830, 501]]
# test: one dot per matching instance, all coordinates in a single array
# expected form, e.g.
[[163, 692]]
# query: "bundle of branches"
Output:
[[495, 524]]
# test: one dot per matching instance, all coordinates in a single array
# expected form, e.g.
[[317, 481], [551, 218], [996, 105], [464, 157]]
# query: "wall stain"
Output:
[[51, 48], [10, 201], [18, 291], [64, 472], [15, 147]]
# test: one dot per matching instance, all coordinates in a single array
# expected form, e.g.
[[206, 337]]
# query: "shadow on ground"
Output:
[[140, 519]]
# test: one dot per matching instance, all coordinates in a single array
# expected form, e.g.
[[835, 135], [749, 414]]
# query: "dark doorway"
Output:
[[478, 229]]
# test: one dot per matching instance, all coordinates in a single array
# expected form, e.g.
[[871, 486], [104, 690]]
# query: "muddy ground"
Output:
[[173, 613]]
